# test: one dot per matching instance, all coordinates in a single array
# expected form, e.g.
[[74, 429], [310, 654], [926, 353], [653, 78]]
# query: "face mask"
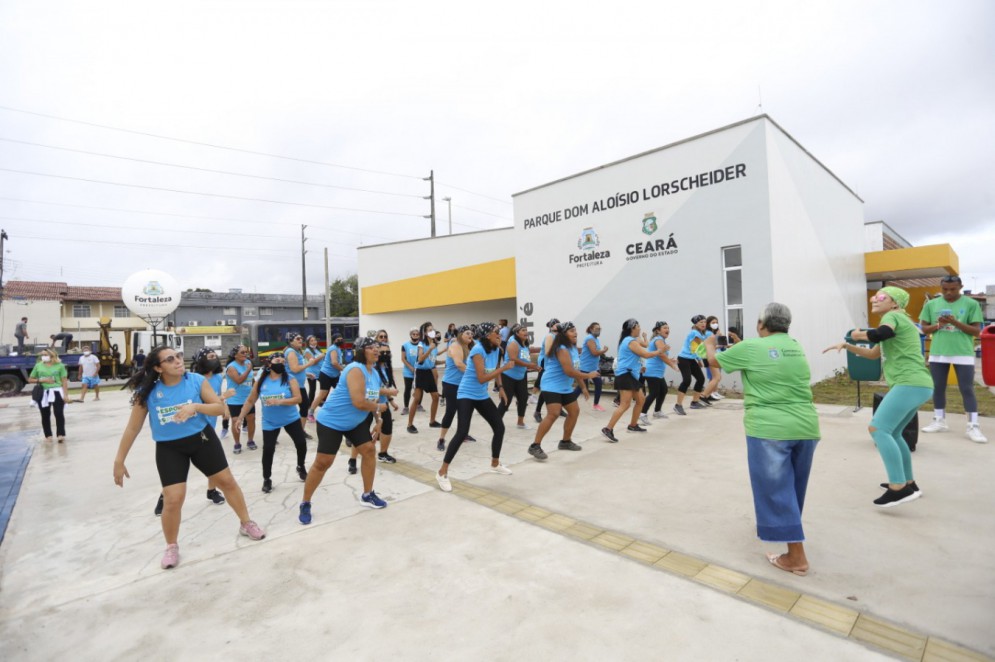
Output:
[[46, 359], [596, 333], [86, 353], [212, 365], [715, 327], [431, 334], [278, 368]]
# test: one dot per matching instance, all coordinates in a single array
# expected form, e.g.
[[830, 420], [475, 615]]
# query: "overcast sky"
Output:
[[897, 98]]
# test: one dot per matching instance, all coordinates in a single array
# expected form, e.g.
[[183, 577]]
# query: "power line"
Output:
[[156, 245], [211, 195], [203, 144], [486, 213], [457, 188], [210, 170]]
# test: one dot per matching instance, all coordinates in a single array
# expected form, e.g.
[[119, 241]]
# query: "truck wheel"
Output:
[[10, 385]]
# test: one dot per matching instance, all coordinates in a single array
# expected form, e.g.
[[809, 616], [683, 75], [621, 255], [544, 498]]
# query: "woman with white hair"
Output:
[[782, 429]]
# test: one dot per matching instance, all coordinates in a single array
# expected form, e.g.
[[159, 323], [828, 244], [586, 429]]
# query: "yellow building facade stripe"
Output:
[[917, 262], [479, 282]]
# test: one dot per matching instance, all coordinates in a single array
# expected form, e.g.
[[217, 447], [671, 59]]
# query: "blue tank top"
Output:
[[299, 377], [655, 366], [691, 343], [276, 416], [554, 379], [163, 403], [326, 363], [452, 375], [338, 412], [215, 382], [628, 361], [589, 362], [313, 354], [518, 372], [470, 387], [541, 359], [242, 390], [410, 350]]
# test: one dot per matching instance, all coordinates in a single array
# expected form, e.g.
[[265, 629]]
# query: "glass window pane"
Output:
[[734, 287], [734, 321], [732, 256]]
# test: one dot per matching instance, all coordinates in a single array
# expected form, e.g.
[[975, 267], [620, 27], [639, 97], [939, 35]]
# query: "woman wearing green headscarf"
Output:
[[909, 386]]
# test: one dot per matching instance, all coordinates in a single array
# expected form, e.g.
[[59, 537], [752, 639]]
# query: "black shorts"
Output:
[[236, 410], [329, 440], [203, 450], [326, 383], [626, 382], [558, 398], [305, 404], [425, 380]]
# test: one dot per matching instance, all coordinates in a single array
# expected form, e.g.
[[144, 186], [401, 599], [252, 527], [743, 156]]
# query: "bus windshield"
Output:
[[267, 338]]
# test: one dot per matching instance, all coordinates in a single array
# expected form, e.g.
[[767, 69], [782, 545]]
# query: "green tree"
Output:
[[343, 296]]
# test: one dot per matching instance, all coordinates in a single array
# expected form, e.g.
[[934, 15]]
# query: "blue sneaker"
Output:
[[371, 500], [305, 516]]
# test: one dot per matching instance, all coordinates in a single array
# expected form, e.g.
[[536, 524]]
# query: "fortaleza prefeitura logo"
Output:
[[589, 243], [645, 248]]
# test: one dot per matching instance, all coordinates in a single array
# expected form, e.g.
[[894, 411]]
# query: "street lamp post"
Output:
[[449, 202]]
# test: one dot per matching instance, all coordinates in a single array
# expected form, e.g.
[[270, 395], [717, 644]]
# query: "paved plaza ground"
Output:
[[645, 549]]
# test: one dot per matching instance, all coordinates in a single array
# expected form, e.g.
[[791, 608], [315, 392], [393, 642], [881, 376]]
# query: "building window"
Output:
[[248, 311], [230, 312], [81, 310], [121, 311], [213, 342], [265, 312], [732, 271]]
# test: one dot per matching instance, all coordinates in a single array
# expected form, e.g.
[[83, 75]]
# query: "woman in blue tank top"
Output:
[[456, 356], [297, 367], [425, 376], [562, 368], [590, 360], [631, 348], [409, 361], [515, 381], [482, 367], [279, 397], [656, 385], [312, 351], [689, 360], [328, 373], [349, 412], [240, 376], [177, 405]]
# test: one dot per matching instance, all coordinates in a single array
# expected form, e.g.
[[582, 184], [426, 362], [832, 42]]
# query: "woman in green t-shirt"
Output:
[[51, 373], [909, 386]]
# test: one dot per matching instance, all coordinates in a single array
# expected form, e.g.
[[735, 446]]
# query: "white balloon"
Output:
[[151, 293]]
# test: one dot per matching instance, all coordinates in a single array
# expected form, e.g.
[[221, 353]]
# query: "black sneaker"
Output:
[[698, 405], [635, 428], [412, 429], [679, 410], [563, 413], [386, 457], [538, 417], [352, 466], [610, 435], [469, 438], [435, 424], [441, 446], [158, 506], [707, 399], [308, 436], [536, 451], [216, 497], [267, 485], [915, 488], [302, 473], [894, 497], [567, 445]]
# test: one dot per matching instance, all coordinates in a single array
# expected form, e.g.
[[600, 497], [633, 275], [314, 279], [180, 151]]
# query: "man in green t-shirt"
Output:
[[782, 429], [955, 321]]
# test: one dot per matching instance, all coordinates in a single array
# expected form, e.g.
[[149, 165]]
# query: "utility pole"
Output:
[[303, 273], [431, 196], [449, 201], [3, 237]]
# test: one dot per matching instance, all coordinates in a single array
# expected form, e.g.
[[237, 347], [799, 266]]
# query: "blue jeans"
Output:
[[779, 473]]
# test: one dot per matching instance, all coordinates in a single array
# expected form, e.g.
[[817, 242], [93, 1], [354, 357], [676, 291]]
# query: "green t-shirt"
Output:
[[776, 390], [57, 370], [948, 340], [904, 364]]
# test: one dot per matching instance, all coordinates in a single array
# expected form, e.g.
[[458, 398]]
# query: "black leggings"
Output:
[[408, 383], [60, 419], [312, 386], [449, 392], [519, 388], [690, 368], [488, 410], [965, 382], [657, 392], [598, 384], [296, 432]]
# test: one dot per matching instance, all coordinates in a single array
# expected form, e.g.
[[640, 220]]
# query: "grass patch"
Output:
[[841, 390]]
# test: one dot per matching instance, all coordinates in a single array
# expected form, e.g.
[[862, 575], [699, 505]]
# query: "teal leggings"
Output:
[[893, 414]]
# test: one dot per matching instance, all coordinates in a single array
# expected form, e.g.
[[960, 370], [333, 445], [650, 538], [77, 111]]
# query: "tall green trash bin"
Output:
[[859, 368]]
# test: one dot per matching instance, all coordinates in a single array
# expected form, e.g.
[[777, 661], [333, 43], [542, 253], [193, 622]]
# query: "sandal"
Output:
[[775, 560]]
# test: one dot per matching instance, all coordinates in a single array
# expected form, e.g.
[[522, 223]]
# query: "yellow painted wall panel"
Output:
[[480, 282]]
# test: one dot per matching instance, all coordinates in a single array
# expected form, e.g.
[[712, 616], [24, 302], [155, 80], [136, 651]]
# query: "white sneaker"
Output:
[[717, 396], [501, 469], [659, 414], [974, 434], [644, 419], [938, 425], [444, 483], [533, 399], [524, 426], [224, 432]]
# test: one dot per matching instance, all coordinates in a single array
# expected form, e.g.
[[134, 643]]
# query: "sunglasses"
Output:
[[381, 337], [169, 359], [950, 279]]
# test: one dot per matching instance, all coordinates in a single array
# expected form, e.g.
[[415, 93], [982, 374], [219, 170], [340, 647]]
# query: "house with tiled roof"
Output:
[[56, 307]]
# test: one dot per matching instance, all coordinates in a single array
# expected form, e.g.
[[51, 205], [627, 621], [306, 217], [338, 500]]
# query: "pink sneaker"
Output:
[[598, 408], [310, 418], [171, 558], [252, 530]]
